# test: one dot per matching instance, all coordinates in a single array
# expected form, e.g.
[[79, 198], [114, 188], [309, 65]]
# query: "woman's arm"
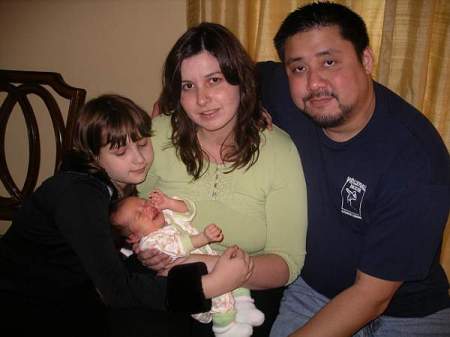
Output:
[[271, 271], [286, 216], [286, 221], [227, 274]]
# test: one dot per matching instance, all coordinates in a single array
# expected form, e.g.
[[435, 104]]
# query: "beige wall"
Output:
[[101, 45]]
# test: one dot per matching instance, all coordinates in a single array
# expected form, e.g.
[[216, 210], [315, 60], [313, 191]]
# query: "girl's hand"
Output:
[[158, 200], [231, 271], [213, 233]]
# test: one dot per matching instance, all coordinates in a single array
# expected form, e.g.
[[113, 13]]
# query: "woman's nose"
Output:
[[202, 96]]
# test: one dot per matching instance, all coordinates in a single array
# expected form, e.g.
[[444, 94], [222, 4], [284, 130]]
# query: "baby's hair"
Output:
[[113, 211]]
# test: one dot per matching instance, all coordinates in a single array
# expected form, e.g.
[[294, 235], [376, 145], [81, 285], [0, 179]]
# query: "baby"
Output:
[[165, 224]]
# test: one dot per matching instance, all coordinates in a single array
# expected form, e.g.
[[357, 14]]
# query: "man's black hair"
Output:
[[324, 14]]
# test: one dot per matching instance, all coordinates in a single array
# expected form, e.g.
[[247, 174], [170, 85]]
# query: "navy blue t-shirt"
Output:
[[376, 203]]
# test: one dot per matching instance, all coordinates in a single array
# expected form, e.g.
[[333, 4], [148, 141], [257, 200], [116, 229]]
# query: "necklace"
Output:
[[215, 158]]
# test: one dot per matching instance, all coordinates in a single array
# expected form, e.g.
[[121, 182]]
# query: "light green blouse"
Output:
[[262, 210]]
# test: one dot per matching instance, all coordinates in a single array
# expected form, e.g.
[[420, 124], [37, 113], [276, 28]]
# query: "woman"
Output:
[[212, 147], [58, 263]]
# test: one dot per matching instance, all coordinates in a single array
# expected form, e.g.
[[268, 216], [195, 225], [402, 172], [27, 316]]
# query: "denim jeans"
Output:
[[300, 302]]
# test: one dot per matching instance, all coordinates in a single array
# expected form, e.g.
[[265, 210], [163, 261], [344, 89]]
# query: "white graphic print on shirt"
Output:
[[352, 194]]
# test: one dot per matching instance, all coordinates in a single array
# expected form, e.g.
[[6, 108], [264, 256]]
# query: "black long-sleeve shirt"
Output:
[[60, 244]]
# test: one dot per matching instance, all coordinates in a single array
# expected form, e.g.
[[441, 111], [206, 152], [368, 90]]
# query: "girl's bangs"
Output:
[[131, 130]]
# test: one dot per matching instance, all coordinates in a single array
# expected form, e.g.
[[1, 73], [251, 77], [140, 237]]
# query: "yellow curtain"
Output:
[[410, 39]]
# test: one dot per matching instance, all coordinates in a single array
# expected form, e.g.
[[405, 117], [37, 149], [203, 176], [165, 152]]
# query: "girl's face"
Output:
[[128, 164], [206, 96]]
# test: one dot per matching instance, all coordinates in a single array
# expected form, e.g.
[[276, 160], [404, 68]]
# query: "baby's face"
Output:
[[141, 217]]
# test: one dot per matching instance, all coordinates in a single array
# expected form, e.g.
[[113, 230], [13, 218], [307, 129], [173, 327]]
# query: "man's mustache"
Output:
[[318, 94]]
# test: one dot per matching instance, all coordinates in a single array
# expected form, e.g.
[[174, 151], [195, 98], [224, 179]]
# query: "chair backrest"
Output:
[[445, 251], [16, 88]]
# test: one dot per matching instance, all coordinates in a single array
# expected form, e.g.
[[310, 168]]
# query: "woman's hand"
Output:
[[231, 271], [267, 118]]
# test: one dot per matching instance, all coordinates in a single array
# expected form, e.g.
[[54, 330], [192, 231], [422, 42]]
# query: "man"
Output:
[[378, 178]]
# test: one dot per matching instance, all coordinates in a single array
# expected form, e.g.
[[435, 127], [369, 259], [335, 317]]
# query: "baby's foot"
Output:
[[233, 329], [246, 311]]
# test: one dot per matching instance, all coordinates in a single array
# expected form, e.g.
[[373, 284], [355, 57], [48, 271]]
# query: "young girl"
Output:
[[58, 262]]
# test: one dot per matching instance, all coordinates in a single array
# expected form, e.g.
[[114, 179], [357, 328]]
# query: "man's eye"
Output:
[[329, 63], [299, 69]]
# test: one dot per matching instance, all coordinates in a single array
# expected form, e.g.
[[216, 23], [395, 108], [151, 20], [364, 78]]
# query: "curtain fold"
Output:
[[410, 40]]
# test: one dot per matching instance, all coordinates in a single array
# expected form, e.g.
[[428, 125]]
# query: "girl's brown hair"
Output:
[[238, 69], [108, 120]]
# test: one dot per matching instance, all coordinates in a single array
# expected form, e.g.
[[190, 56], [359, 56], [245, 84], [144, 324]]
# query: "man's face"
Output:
[[326, 78]]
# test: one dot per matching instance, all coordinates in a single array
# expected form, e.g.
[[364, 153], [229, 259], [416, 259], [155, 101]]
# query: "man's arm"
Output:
[[350, 310]]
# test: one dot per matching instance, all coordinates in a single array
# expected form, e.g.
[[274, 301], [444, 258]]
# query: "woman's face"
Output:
[[127, 164], [206, 96]]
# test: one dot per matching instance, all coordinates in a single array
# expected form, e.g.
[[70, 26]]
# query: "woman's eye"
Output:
[[187, 86], [215, 80]]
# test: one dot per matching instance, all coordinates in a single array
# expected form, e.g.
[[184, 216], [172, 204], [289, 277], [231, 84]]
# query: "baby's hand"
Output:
[[158, 199], [213, 233]]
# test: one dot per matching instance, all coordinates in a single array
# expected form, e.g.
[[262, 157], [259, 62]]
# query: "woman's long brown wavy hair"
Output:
[[238, 69]]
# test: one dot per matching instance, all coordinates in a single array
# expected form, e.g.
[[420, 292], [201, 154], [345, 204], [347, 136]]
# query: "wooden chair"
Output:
[[16, 86], [445, 251]]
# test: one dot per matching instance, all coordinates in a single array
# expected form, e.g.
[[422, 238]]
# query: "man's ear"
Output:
[[368, 60]]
